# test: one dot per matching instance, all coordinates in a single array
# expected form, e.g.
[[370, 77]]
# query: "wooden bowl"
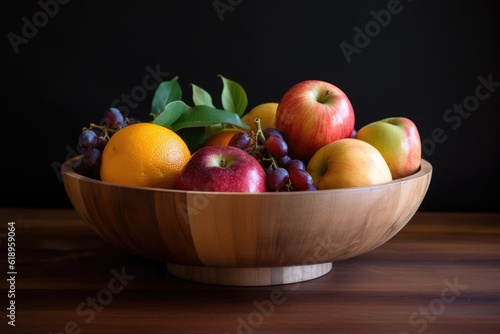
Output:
[[246, 238]]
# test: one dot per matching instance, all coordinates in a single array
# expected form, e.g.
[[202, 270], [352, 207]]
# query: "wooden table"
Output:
[[440, 274]]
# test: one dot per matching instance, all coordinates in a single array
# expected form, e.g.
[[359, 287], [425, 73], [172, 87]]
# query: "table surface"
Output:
[[440, 274]]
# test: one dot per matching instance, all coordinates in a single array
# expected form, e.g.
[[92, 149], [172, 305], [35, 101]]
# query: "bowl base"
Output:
[[249, 276]]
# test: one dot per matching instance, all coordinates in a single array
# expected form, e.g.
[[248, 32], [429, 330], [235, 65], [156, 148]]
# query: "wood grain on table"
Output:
[[440, 274]]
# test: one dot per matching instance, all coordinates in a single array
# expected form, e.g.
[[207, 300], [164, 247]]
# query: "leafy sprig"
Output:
[[195, 123]]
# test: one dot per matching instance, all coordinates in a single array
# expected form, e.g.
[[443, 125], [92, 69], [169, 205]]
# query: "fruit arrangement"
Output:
[[307, 141], [269, 147]]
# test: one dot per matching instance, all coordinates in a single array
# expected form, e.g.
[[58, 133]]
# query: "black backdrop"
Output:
[[64, 62]]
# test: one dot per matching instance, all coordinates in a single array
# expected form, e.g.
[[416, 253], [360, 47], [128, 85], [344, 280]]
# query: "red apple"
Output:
[[311, 114], [347, 163], [398, 141], [222, 168]]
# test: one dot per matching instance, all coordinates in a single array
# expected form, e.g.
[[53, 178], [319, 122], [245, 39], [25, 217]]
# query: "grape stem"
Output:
[[258, 126], [260, 135], [103, 128]]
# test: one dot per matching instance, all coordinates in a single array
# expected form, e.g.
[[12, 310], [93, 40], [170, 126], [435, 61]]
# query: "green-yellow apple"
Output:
[[311, 114], [398, 141], [222, 168], [346, 163]]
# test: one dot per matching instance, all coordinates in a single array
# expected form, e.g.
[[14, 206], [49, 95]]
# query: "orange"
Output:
[[144, 155], [266, 112], [221, 138]]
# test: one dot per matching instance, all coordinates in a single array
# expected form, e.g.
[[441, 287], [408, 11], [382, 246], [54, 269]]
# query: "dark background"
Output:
[[426, 59]]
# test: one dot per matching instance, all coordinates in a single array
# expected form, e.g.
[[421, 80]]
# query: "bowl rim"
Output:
[[67, 168]]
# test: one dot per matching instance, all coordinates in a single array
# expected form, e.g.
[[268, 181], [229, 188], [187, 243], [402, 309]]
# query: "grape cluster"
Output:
[[270, 148], [94, 138]]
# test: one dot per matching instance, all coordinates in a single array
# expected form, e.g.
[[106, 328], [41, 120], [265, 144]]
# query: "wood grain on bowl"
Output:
[[218, 235]]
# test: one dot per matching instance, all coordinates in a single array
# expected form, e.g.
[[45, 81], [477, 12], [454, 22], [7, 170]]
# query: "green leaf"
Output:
[[234, 98], [201, 96], [171, 113], [193, 137], [206, 116], [166, 92]]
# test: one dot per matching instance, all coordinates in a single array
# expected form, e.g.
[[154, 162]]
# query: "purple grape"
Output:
[[301, 179], [113, 118], [79, 168], [92, 159], [87, 139], [277, 146], [268, 132], [284, 161], [311, 188], [101, 143], [277, 179], [240, 140], [268, 170], [295, 164]]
